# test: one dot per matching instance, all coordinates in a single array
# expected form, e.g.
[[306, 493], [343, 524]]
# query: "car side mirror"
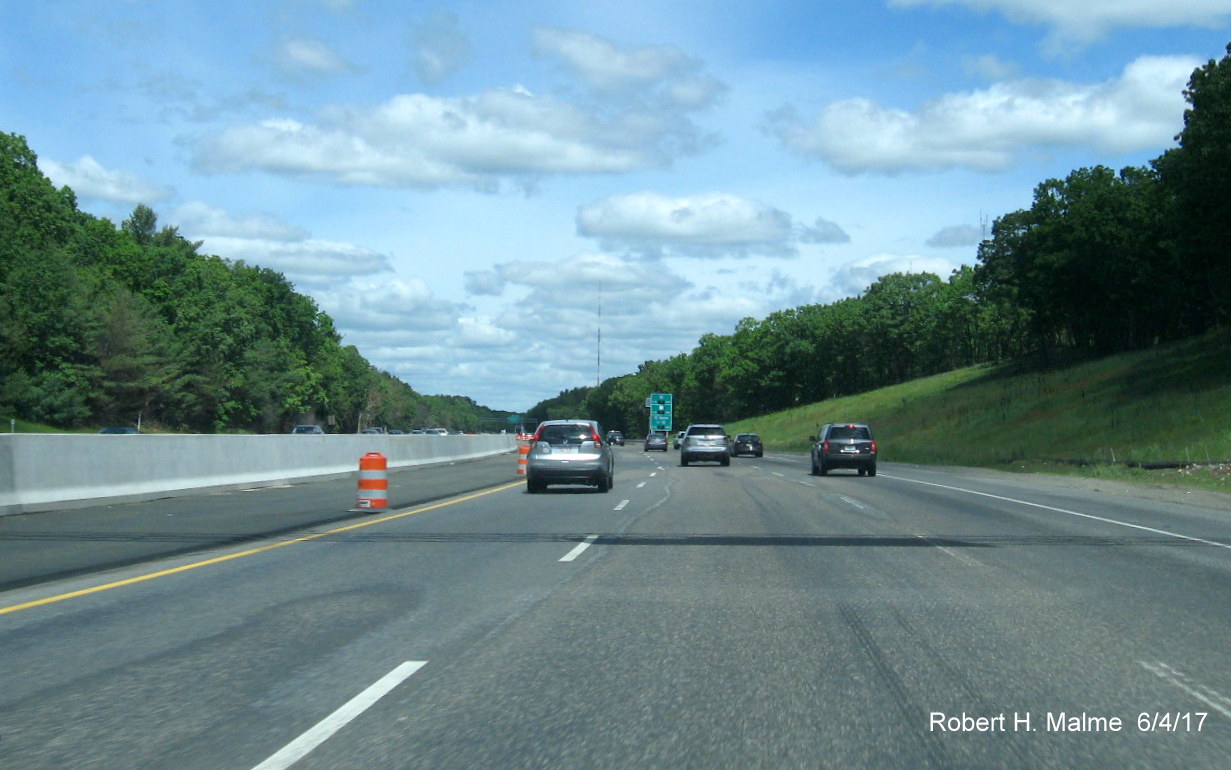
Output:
[[812, 439]]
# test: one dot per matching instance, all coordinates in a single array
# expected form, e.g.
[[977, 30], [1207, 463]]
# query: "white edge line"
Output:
[[322, 730], [580, 549], [967, 560], [1071, 513], [1171, 676]]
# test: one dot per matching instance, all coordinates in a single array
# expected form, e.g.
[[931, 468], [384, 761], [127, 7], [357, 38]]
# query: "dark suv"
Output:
[[747, 443], [844, 445]]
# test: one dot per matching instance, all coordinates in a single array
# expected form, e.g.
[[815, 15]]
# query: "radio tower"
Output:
[[598, 363]]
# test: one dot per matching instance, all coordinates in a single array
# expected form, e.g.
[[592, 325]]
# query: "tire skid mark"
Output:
[[956, 675], [914, 717]]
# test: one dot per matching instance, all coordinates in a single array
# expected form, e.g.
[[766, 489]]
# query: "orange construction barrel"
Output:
[[523, 452], [373, 482]]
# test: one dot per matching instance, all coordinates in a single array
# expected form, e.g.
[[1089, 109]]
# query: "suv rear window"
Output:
[[706, 430], [843, 431], [559, 435]]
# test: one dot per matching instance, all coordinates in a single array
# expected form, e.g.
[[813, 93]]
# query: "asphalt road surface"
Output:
[[703, 617]]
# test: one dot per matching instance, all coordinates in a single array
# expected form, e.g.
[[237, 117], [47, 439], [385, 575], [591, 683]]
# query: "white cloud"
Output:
[[707, 225], [574, 282], [300, 57], [854, 278], [608, 68], [482, 333], [372, 308], [484, 283], [311, 263], [496, 136], [989, 67], [88, 179], [987, 130], [440, 48], [956, 235], [1083, 21], [824, 231], [544, 338], [417, 140], [197, 219]]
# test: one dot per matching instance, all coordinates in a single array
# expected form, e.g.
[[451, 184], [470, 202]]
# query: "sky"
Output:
[[506, 200]]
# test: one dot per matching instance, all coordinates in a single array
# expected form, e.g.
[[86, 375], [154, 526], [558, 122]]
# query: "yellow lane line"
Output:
[[249, 552]]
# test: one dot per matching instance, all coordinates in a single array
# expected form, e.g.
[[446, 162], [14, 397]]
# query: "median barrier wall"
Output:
[[40, 472]]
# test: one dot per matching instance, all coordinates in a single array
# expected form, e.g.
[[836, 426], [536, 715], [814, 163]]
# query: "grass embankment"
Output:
[[1168, 404], [8, 425]]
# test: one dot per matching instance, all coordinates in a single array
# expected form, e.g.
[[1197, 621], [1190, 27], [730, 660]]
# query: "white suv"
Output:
[[705, 442], [569, 452]]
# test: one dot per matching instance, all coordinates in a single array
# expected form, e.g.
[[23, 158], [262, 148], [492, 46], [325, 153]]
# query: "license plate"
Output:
[[851, 449]]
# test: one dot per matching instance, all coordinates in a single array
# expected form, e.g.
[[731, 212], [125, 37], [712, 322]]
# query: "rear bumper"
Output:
[[567, 472], [848, 460]]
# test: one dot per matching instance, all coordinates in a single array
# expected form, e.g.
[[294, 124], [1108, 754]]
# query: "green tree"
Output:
[[138, 372], [142, 225], [33, 214], [1198, 174]]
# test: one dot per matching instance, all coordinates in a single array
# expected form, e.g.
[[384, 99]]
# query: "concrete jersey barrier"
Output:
[[40, 472]]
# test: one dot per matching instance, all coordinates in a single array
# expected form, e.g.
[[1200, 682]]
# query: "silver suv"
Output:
[[705, 442], [569, 452], [843, 445]]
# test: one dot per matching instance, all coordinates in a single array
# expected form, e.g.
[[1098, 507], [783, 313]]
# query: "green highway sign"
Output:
[[660, 411]]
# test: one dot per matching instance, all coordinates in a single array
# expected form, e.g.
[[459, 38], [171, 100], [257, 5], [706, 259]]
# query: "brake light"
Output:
[[824, 446], [597, 441], [873, 447]]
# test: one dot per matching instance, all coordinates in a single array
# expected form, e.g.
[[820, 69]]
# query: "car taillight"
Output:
[[873, 447], [597, 441], [824, 446]]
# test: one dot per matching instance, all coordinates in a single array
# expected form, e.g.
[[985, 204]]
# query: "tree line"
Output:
[[1102, 262], [107, 325]]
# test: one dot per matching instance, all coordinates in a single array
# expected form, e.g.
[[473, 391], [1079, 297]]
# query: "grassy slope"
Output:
[[1171, 403]]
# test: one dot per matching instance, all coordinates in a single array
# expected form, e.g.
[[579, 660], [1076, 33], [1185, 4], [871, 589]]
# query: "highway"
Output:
[[750, 616]]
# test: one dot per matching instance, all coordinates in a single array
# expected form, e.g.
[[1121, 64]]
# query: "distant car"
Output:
[[615, 437], [437, 431], [396, 432], [119, 431], [844, 445], [307, 430], [679, 436], [746, 444], [569, 452], [656, 441], [373, 431], [705, 442]]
